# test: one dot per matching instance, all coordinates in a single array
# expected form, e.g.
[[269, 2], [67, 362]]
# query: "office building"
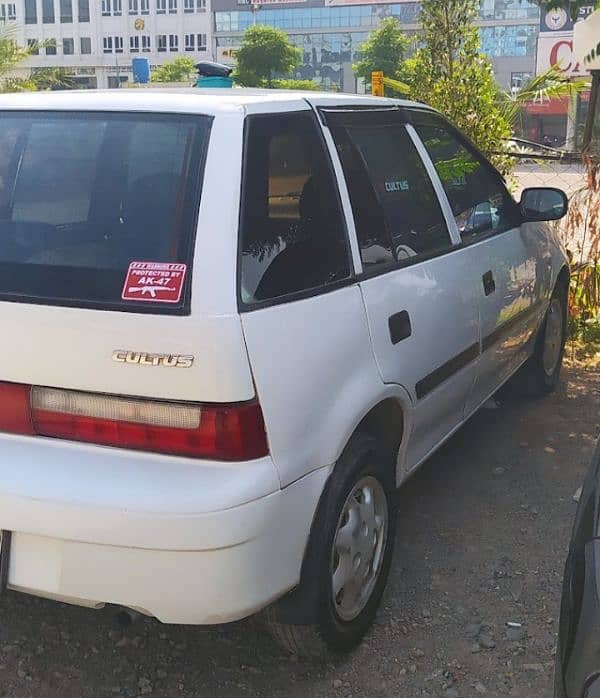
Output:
[[96, 40], [329, 32]]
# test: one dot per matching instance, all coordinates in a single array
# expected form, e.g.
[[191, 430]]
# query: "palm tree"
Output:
[[11, 54], [551, 84]]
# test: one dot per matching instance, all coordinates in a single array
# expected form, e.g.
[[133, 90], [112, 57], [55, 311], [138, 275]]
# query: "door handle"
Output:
[[400, 327], [489, 285]]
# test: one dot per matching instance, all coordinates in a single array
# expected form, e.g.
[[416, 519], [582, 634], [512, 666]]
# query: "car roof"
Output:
[[194, 100]]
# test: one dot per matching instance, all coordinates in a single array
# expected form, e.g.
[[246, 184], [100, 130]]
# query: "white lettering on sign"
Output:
[[154, 281], [397, 186]]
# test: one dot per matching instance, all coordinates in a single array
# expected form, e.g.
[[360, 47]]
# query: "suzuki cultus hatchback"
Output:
[[232, 325]]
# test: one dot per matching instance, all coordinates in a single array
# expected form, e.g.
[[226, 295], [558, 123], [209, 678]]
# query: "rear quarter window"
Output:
[[84, 195]]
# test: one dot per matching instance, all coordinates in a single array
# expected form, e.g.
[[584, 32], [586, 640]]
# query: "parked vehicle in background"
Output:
[[577, 661], [209, 398]]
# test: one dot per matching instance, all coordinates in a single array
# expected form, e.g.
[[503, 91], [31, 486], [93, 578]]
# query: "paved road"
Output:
[[483, 533]]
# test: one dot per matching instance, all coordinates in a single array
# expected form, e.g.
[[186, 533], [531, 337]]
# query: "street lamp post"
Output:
[[254, 8]]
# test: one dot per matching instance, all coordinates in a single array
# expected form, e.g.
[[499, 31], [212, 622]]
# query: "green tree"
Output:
[[11, 56], [182, 69], [52, 79], [450, 73], [384, 50], [291, 84], [265, 53]]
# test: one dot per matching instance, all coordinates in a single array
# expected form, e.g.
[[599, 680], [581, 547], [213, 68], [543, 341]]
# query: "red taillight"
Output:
[[15, 409], [221, 432]]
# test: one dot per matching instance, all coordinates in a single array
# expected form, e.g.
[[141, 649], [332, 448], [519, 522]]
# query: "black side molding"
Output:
[[400, 327], [447, 370], [4, 559]]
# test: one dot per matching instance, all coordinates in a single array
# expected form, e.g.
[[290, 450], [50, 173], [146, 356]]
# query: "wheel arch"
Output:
[[387, 420], [563, 278]]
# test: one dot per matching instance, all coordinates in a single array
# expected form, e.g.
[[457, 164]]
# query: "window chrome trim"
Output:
[[346, 205], [437, 185]]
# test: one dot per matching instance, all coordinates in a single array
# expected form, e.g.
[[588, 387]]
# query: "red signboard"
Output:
[[155, 282]]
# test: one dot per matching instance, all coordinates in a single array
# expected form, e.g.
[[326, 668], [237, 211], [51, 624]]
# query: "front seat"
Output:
[[314, 251]]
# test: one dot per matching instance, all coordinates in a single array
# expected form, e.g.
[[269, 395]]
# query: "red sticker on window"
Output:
[[156, 282]]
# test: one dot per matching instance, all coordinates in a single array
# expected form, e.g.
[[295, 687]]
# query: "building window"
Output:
[[68, 47], [146, 44], [30, 12], [84, 10], [118, 44], [195, 40], [134, 44], [172, 7], [86, 45], [48, 11], [106, 8], [520, 79], [133, 7], [161, 43], [194, 6], [108, 44], [161, 7], [32, 45], [117, 8], [511, 40], [145, 7], [51, 47], [66, 11], [11, 11], [173, 42], [499, 9]]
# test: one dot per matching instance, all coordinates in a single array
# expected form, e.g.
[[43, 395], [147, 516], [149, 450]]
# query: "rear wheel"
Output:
[[540, 374], [348, 557]]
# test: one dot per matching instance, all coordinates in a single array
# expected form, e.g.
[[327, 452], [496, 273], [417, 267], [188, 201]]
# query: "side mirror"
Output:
[[543, 204]]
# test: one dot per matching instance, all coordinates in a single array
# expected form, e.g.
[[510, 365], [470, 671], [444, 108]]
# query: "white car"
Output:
[[232, 325]]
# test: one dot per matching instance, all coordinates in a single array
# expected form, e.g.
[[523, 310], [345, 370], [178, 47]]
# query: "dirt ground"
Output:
[[483, 532]]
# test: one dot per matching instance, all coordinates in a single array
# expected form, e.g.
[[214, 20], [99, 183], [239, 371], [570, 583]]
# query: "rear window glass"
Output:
[[84, 196]]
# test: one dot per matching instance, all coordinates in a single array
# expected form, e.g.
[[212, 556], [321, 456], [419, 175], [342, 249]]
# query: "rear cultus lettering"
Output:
[[122, 356]]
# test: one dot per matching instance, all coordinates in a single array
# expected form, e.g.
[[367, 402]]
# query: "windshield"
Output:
[[99, 209]]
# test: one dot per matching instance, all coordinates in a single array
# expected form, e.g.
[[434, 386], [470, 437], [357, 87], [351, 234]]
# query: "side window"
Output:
[[293, 237], [478, 198], [396, 210]]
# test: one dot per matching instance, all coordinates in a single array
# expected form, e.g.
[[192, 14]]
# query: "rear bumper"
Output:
[[182, 540]]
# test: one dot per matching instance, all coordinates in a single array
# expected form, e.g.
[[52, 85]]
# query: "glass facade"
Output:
[[509, 40], [509, 9], [509, 28], [317, 17], [360, 15]]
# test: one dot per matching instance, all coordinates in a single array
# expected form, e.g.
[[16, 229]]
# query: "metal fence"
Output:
[[547, 167]]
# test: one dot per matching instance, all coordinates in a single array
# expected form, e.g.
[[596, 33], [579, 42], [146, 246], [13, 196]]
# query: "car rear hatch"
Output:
[[103, 337]]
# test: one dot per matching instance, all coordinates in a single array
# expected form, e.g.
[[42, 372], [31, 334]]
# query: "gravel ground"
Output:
[[483, 532]]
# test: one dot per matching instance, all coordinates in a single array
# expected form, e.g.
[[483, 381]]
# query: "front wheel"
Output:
[[348, 557], [540, 375]]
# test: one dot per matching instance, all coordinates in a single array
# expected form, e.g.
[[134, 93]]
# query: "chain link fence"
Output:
[[546, 167]]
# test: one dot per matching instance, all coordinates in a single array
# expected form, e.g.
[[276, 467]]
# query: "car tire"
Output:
[[348, 557], [541, 372]]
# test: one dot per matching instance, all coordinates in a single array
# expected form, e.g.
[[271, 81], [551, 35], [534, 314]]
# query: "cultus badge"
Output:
[[142, 358]]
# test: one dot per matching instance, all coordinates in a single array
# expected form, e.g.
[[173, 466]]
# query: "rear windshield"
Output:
[[99, 209]]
